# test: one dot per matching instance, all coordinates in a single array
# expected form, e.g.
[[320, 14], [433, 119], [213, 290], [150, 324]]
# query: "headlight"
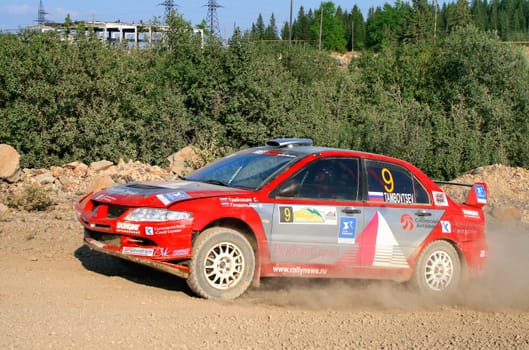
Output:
[[155, 214]]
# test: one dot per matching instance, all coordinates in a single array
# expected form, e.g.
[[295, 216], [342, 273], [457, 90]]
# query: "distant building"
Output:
[[137, 35]]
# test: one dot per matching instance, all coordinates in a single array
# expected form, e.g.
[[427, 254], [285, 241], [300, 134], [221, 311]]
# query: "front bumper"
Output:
[[174, 269]]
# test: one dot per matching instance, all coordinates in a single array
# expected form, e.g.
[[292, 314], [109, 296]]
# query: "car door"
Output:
[[319, 221], [398, 213]]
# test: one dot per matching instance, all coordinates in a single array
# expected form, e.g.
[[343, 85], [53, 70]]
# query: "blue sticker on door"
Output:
[[347, 232]]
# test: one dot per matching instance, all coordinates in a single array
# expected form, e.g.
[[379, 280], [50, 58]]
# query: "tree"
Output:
[[458, 15], [358, 37], [330, 27], [270, 32], [385, 26], [420, 24], [487, 80], [258, 29], [301, 28]]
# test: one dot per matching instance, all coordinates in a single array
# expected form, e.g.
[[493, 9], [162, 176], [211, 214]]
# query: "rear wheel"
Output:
[[438, 270], [222, 265]]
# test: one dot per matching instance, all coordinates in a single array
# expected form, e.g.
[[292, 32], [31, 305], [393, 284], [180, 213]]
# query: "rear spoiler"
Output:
[[478, 195]]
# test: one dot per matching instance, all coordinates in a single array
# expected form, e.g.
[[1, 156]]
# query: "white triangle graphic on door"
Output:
[[387, 252]]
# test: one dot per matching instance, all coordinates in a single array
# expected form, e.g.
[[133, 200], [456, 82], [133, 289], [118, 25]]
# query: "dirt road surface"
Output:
[[57, 294]]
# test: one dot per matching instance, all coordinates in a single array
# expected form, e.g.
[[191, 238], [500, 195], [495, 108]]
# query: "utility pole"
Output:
[[353, 34], [435, 21], [41, 18], [169, 8], [290, 26], [321, 24], [212, 19]]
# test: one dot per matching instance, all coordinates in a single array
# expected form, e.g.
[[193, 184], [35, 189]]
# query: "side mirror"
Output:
[[289, 188]]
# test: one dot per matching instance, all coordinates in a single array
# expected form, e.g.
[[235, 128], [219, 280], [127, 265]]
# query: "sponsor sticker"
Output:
[[149, 231], [138, 251], [407, 222], [162, 251], [347, 232], [167, 198], [164, 230], [305, 252], [439, 198], [300, 214], [446, 226], [481, 195], [471, 213], [181, 252], [127, 227], [105, 198]]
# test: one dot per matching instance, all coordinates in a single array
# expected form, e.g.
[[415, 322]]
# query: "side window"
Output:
[[328, 179], [390, 183], [421, 195]]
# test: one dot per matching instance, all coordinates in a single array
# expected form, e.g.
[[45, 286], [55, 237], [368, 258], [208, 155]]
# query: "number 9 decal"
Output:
[[387, 177], [287, 214]]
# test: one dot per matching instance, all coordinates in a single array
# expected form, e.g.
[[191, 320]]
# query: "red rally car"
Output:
[[296, 210]]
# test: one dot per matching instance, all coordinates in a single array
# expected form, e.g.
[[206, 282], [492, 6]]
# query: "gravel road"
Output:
[[57, 294]]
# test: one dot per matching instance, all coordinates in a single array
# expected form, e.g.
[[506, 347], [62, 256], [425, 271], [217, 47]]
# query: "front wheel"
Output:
[[222, 265], [438, 270]]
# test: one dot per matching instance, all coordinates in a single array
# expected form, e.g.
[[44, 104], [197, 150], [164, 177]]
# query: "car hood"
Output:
[[162, 193]]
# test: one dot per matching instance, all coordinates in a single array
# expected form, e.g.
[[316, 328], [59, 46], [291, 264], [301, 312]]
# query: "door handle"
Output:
[[423, 213], [351, 210]]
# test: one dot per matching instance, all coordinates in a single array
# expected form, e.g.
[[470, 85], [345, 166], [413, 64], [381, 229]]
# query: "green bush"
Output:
[[33, 198], [448, 105]]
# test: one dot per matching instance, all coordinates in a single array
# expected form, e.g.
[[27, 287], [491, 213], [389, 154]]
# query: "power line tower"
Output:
[[41, 17], [212, 19], [169, 8]]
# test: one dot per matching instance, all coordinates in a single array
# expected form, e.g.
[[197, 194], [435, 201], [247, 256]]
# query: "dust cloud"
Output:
[[503, 286], [505, 283]]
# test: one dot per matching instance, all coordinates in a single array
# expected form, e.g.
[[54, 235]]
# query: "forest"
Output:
[[393, 24], [448, 96]]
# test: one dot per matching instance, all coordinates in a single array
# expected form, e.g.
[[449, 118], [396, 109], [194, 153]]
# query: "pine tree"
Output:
[[258, 29], [270, 32]]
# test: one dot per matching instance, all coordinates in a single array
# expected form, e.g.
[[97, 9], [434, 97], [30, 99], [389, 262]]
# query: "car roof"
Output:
[[304, 146]]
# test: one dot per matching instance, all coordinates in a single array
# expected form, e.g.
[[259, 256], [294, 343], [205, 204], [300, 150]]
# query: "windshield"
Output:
[[248, 170]]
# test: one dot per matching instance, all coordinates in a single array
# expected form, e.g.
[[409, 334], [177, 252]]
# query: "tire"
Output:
[[438, 270], [222, 265]]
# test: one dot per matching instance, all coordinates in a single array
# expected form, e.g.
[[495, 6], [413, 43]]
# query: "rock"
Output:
[[78, 168], [111, 170], [9, 163], [182, 160], [56, 171], [102, 165], [45, 178], [100, 182]]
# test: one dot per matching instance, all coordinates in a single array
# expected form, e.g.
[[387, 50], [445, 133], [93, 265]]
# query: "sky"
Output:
[[242, 13]]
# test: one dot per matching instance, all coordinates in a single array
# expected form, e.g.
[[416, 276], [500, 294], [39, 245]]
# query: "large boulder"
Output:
[[9, 163], [183, 160]]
